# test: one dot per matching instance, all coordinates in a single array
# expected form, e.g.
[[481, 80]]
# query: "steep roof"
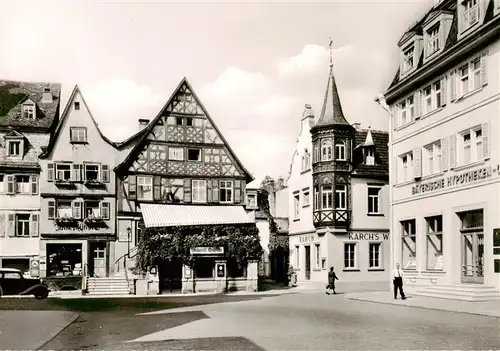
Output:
[[380, 140], [331, 112], [54, 138], [14, 93], [143, 137]]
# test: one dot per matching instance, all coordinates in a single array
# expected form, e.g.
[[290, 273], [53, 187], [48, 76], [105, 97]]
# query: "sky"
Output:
[[254, 65]]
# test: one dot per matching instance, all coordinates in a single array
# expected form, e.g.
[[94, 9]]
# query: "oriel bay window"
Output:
[[327, 197], [434, 242], [226, 191], [409, 244], [326, 150], [341, 197], [317, 198], [199, 190], [340, 153]]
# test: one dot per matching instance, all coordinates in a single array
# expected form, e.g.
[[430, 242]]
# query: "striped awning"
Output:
[[161, 215]]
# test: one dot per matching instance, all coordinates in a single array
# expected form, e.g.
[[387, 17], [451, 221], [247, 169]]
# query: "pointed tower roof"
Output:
[[369, 139], [331, 113]]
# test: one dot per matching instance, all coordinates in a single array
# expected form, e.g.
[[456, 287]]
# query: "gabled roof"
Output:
[[136, 136], [14, 93], [54, 138], [331, 112], [143, 137], [13, 134]]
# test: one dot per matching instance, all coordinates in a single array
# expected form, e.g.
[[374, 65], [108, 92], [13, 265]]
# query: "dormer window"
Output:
[[471, 13], [29, 110], [408, 61], [433, 43], [14, 148], [370, 157]]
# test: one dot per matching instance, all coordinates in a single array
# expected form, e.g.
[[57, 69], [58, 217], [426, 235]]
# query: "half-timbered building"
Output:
[[181, 172]]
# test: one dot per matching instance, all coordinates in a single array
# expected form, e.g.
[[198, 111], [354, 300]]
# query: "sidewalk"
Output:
[[483, 308]]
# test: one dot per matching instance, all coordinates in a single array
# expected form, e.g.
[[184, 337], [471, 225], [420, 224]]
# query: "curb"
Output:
[[484, 314], [55, 333]]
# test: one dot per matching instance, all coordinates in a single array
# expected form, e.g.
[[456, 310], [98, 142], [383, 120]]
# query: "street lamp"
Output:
[[129, 232]]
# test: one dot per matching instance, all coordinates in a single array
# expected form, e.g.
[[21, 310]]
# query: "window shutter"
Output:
[[11, 184], [11, 228], [237, 191], [187, 190], [77, 172], [50, 172], [156, 188], [417, 163], [484, 68], [34, 185], [215, 190], [132, 187], [444, 91], [3, 225], [444, 155], [34, 225], [209, 191], [105, 209], [453, 85], [418, 105], [77, 209], [52, 209], [105, 173], [453, 151], [486, 140]]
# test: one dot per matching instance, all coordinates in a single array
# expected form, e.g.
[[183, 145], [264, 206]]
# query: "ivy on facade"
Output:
[[276, 242], [240, 241]]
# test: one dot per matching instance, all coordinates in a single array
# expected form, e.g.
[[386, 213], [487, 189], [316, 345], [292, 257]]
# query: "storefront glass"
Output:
[[64, 260]]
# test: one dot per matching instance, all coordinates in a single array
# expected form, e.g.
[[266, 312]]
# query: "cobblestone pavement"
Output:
[[312, 321]]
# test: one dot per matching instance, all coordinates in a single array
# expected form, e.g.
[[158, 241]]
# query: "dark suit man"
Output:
[[397, 280]]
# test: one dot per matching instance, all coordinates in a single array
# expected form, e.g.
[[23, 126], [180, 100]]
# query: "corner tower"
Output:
[[332, 138]]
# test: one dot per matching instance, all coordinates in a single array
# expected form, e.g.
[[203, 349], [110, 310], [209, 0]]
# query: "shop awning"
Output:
[[161, 215]]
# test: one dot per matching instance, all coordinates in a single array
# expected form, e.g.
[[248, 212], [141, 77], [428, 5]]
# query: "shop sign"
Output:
[[35, 268], [308, 238], [368, 236], [462, 178], [203, 250], [221, 270]]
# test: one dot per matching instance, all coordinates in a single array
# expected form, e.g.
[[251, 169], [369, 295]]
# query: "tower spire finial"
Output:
[[330, 45]]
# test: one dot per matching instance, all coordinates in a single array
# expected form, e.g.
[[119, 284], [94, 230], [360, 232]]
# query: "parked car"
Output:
[[12, 282]]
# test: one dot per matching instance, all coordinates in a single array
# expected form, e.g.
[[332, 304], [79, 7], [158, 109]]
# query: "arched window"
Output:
[[326, 150], [340, 150]]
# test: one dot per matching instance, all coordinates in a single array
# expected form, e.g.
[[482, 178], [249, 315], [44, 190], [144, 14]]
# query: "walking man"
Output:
[[331, 281], [397, 279]]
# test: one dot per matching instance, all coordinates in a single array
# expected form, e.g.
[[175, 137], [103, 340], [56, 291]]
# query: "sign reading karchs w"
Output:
[[368, 236], [462, 178]]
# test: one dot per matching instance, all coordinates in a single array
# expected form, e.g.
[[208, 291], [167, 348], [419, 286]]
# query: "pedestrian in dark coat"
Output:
[[331, 281]]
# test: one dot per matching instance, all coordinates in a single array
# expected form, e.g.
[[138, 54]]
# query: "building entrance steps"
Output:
[[463, 292], [483, 308], [108, 286]]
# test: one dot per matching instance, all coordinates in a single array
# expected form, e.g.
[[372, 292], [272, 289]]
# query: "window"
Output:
[[92, 209], [317, 198], [226, 191], [350, 255], [409, 249], [306, 160], [406, 164], [305, 198], [176, 153], [64, 209], [340, 150], [464, 79], [326, 150], [375, 259], [2, 187], [77, 105], [406, 111], [22, 225], [369, 157], [297, 256], [91, 172], [12, 275], [340, 197], [471, 146], [194, 154], [78, 134], [251, 200], [469, 77], [318, 255], [431, 97], [427, 100], [23, 184], [29, 110], [316, 155], [327, 197], [373, 199], [434, 242], [14, 148], [145, 188], [296, 206], [408, 59], [433, 40], [433, 156], [189, 122], [199, 190], [63, 171], [471, 14]]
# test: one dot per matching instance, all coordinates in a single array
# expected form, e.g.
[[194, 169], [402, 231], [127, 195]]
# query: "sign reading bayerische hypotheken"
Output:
[[451, 181], [204, 250]]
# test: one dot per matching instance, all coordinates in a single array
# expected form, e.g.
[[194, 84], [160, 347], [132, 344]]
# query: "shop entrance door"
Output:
[[472, 257], [98, 259], [170, 275], [308, 262]]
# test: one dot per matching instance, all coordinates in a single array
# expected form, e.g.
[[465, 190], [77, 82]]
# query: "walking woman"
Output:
[[331, 281]]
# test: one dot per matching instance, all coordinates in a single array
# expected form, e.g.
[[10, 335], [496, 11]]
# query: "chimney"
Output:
[[143, 123], [46, 96], [357, 125], [308, 117]]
